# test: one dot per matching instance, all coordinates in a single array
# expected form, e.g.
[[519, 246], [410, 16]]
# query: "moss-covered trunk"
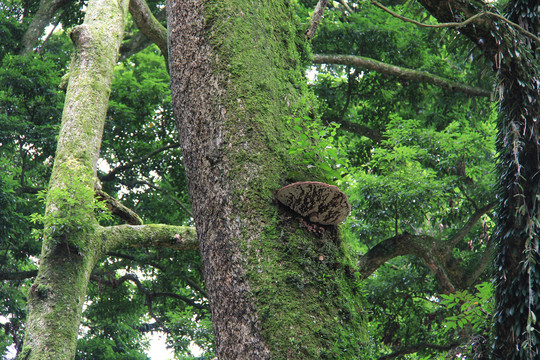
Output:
[[69, 251], [276, 291]]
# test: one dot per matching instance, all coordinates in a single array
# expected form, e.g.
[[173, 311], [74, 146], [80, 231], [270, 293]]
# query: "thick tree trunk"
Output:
[[68, 255], [275, 290]]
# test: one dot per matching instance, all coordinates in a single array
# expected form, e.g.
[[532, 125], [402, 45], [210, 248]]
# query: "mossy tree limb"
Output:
[[400, 73]]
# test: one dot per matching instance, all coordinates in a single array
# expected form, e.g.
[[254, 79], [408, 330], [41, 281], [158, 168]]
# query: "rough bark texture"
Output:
[[55, 299], [275, 291]]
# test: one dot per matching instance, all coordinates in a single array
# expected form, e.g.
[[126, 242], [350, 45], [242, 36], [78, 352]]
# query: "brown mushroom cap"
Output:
[[321, 203]]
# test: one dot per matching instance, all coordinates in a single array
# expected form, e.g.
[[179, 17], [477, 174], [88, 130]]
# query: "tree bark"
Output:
[[275, 290], [43, 17], [68, 255]]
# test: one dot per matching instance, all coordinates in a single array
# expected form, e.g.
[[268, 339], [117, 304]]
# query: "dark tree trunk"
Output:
[[517, 262]]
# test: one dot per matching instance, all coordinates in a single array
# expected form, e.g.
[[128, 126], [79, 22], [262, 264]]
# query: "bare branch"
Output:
[[400, 72], [110, 176], [167, 192], [346, 6], [316, 18], [473, 19], [460, 235], [358, 129]]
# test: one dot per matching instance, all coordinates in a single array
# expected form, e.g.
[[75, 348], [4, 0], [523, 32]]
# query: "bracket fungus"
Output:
[[322, 203]]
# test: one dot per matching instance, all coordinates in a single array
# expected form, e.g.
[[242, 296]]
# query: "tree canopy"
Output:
[[397, 104]]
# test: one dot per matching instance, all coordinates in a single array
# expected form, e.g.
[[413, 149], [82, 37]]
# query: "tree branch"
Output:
[[435, 254], [149, 25], [358, 129], [316, 18], [42, 18], [418, 347], [111, 176], [460, 235], [400, 72], [18, 275], [118, 209], [471, 20], [167, 193], [153, 235]]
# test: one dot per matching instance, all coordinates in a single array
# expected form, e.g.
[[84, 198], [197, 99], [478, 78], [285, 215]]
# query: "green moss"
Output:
[[307, 301]]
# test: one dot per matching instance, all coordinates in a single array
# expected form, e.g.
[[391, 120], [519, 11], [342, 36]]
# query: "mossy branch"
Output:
[[400, 72], [153, 235], [118, 209], [149, 25]]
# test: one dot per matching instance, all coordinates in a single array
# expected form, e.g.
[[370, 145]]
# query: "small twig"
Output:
[[346, 6], [472, 19], [316, 18]]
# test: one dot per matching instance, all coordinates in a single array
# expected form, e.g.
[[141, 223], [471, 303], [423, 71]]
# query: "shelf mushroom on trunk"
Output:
[[319, 202]]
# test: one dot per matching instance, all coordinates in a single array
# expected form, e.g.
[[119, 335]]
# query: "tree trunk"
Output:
[[56, 298], [275, 290], [517, 262]]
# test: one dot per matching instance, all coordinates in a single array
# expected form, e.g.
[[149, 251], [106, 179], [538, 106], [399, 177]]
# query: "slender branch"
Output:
[[460, 235], [471, 20], [180, 297], [120, 255], [346, 6], [358, 129], [400, 72], [149, 25], [316, 18], [418, 347], [18, 275], [167, 192], [110, 176], [191, 283], [118, 209], [149, 300], [480, 266]]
